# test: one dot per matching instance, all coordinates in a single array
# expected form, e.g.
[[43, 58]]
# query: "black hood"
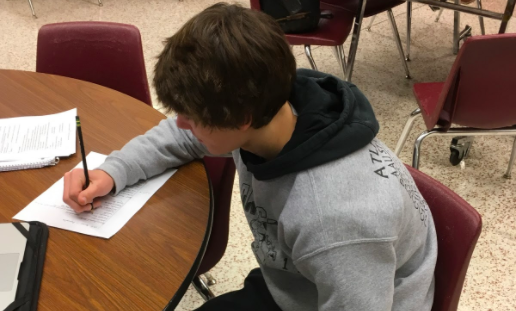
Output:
[[334, 119]]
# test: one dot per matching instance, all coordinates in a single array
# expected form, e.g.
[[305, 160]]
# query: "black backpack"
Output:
[[294, 16]]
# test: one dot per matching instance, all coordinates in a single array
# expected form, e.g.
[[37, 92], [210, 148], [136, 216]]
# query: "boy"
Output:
[[338, 222]]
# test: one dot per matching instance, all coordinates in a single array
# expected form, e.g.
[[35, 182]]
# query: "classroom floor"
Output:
[[491, 279]]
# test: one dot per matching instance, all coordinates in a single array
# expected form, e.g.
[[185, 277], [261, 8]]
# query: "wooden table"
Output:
[[156, 254]]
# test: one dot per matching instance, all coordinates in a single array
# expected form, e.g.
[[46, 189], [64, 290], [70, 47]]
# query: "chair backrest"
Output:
[[255, 5], [221, 172], [108, 54], [458, 226], [479, 91]]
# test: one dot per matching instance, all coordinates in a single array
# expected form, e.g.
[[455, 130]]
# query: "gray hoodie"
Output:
[[337, 220]]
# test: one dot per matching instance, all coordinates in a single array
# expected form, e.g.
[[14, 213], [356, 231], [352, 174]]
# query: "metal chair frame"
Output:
[[508, 131], [34, 13]]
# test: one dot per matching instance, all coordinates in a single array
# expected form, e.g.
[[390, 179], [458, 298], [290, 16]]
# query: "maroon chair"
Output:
[[373, 7], [331, 32], [221, 172], [478, 95], [107, 54], [458, 226]]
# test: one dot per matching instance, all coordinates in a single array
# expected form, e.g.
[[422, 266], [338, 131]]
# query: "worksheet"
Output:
[[38, 137], [113, 213]]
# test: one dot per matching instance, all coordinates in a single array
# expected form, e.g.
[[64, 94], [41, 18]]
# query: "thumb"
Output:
[[87, 195]]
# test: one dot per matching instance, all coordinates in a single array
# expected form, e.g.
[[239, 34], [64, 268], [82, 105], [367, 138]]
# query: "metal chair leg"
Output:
[[417, 148], [398, 43], [409, 28], [511, 160], [371, 22], [211, 280], [480, 18], [32, 9], [507, 14], [100, 3], [456, 31], [308, 53], [354, 40], [406, 130], [202, 288], [341, 58], [439, 15]]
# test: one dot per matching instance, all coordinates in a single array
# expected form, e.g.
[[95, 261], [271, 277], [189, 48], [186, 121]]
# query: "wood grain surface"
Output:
[[142, 266]]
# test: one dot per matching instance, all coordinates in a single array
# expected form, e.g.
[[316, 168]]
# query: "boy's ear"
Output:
[[246, 125]]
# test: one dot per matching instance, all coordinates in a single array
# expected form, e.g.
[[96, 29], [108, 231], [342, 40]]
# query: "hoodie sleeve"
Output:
[[358, 275], [162, 147]]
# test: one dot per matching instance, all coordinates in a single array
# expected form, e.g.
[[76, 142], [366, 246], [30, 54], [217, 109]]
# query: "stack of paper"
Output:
[[30, 142]]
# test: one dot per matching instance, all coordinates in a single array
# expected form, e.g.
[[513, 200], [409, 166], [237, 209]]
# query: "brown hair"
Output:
[[226, 66]]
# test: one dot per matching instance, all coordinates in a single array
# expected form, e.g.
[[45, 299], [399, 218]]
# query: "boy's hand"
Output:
[[79, 200]]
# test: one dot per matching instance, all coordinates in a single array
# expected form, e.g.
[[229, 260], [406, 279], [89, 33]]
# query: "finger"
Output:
[[78, 208], [76, 182], [89, 194], [84, 208], [66, 188], [97, 203], [66, 194]]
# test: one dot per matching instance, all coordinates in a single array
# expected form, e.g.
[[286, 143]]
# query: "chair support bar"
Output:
[[507, 131]]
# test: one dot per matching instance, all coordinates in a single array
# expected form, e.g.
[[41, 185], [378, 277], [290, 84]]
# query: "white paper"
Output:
[[104, 222], [37, 137], [27, 164]]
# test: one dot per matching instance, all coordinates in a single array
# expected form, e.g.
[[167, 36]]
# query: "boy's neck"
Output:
[[268, 141]]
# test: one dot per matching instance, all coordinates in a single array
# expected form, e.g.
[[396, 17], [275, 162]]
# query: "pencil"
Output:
[[83, 155]]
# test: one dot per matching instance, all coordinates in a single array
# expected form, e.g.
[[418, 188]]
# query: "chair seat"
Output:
[[331, 32], [373, 7], [427, 96]]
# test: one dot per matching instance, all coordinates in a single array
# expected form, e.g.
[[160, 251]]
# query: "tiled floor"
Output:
[[490, 282]]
